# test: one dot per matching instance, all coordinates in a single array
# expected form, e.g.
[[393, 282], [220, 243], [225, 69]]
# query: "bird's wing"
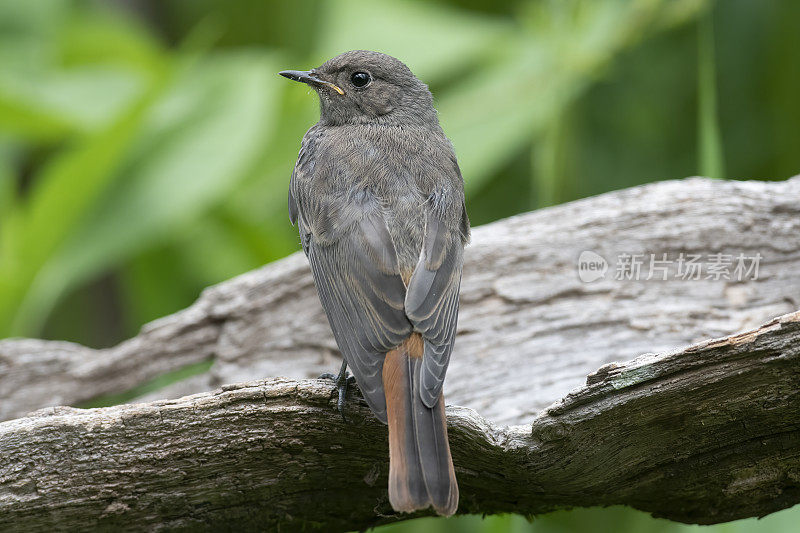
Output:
[[358, 279], [432, 299]]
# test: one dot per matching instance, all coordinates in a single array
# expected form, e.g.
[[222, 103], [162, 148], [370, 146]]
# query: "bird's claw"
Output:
[[342, 380]]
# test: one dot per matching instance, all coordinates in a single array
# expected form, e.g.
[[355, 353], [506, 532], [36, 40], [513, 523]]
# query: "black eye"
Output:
[[360, 79]]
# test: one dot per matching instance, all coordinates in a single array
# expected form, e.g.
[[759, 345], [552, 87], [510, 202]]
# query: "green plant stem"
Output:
[[710, 151]]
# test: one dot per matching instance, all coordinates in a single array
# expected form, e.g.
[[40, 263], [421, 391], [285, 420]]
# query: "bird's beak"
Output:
[[309, 77]]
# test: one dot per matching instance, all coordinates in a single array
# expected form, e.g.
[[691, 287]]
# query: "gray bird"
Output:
[[378, 198]]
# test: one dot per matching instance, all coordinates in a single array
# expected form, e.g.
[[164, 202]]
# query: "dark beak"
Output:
[[309, 77]]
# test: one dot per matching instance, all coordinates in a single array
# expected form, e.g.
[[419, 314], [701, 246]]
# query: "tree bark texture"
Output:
[[529, 329], [706, 434], [694, 430]]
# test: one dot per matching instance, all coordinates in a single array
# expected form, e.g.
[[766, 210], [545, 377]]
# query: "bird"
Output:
[[378, 198]]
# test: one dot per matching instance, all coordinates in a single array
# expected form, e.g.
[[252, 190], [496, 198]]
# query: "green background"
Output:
[[146, 146]]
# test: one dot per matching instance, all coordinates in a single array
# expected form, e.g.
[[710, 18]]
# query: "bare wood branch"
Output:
[[529, 329], [706, 434]]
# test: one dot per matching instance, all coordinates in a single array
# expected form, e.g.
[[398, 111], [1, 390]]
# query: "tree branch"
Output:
[[529, 330], [704, 435]]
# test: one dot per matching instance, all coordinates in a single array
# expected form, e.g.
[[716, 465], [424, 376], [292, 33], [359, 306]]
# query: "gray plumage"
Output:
[[379, 202]]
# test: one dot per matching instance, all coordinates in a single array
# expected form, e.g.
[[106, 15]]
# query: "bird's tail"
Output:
[[420, 467]]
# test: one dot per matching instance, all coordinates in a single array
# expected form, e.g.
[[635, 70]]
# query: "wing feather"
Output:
[[359, 285], [432, 301]]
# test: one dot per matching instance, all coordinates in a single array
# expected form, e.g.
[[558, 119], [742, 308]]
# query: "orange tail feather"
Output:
[[421, 470]]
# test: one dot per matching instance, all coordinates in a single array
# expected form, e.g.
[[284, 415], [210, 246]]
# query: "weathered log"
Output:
[[706, 434], [529, 329]]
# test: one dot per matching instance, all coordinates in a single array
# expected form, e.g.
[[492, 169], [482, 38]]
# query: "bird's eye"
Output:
[[360, 79]]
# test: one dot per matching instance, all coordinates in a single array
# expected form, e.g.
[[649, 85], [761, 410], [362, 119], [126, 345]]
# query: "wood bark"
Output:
[[704, 434], [529, 329]]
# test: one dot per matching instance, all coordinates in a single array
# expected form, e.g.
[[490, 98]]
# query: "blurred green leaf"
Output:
[[214, 237], [7, 182], [50, 105], [126, 43], [195, 145], [67, 187], [29, 31], [711, 162], [435, 41], [69, 84], [566, 48], [595, 520], [153, 282]]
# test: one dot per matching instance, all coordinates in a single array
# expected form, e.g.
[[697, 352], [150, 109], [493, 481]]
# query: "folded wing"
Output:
[[358, 279], [431, 302]]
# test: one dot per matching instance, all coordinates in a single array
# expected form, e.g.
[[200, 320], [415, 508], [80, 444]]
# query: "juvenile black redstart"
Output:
[[379, 201]]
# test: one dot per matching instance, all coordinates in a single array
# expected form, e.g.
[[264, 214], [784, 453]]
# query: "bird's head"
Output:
[[363, 87]]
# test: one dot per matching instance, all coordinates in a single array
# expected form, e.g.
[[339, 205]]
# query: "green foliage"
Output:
[[156, 157], [145, 156], [595, 520], [708, 134]]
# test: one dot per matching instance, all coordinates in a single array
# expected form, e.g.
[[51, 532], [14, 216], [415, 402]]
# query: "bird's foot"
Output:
[[342, 380]]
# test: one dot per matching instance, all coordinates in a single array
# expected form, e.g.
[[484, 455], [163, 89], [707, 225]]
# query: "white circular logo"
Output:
[[591, 266]]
